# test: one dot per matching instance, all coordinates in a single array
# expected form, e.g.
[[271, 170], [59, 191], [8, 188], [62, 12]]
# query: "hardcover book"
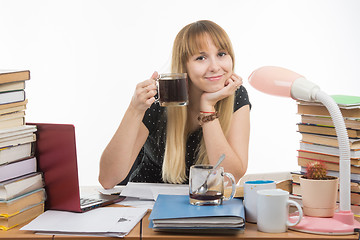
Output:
[[16, 140], [353, 123], [330, 166], [11, 97], [7, 76], [12, 86], [321, 110], [16, 153], [17, 169], [11, 107], [9, 222], [18, 186], [22, 202], [325, 157], [329, 140], [10, 123], [343, 101], [323, 130], [312, 147]]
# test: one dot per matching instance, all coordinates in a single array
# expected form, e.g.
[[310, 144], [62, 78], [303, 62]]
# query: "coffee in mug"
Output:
[[206, 185], [172, 89]]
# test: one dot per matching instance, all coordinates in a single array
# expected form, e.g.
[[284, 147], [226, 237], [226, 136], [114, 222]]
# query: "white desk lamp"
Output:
[[283, 82]]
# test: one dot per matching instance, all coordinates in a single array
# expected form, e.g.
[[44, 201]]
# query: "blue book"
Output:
[[176, 212]]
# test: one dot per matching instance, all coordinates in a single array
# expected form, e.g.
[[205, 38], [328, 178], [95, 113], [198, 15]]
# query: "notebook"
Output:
[[175, 213], [56, 155]]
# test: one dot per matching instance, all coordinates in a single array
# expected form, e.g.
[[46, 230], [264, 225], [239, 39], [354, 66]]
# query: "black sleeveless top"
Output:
[[152, 153]]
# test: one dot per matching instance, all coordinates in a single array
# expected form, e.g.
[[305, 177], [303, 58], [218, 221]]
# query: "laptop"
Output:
[[56, 156]]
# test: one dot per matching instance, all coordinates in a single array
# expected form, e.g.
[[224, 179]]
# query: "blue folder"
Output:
[[171, 207]]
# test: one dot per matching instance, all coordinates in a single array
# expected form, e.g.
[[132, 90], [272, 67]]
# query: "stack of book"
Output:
[[22, 192], [319, 140]]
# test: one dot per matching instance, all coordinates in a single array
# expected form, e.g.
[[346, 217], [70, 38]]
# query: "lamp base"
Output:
[[342, 223]]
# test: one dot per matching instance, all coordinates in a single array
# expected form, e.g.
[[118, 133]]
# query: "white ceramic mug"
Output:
[[273, 211], [250, 196]]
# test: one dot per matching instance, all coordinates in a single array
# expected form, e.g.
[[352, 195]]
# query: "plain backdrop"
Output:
[[86, 58]]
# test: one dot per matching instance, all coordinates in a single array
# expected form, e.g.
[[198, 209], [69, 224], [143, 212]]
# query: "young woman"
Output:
[[167, 141]]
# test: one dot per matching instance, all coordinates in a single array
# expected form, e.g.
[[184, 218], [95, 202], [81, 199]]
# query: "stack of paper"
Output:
[[145, 194], [150, 191], [108, 221]]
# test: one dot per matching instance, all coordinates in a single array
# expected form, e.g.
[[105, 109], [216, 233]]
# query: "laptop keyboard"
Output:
[[87, 201]]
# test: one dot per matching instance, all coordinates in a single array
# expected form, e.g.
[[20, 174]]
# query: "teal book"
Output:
[[175, 212]]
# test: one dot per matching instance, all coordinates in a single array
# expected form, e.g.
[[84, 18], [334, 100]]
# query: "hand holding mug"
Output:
[[144, 94]]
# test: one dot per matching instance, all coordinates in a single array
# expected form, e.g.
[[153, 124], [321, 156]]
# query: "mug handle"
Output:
[[290, 224], [157, 88], [233, 185]]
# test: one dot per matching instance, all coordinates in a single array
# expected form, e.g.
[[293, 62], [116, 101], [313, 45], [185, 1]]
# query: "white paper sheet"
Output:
[[150, 191], [136, 202], [109, 221], [174, 190], [112, 191]]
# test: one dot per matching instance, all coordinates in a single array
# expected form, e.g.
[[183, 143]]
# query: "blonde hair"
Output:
[[188, 42]]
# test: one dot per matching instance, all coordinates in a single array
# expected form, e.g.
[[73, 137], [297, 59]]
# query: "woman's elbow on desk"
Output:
[[239, 174], [108, 176], [107, 181]]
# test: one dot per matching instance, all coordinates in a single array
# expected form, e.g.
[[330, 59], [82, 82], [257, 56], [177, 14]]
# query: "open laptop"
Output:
[[56, 155]]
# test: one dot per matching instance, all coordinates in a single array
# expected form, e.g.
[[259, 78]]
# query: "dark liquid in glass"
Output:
[[208, 196], [173, 91]]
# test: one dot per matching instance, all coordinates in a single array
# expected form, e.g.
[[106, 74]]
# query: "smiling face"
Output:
[[210, 68]]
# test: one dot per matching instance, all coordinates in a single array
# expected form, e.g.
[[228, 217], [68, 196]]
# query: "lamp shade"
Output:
[[280, 81]]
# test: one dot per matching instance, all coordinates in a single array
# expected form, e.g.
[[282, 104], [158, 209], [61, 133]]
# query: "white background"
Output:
[[86, 57]]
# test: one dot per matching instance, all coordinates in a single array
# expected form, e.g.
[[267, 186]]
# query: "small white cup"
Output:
[[273, 211], [250, 196]]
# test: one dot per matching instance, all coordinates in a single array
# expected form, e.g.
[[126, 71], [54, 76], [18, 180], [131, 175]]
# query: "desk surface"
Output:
[[142, 229], [18, 234], [147, 233], [15, 233], [249, 233]]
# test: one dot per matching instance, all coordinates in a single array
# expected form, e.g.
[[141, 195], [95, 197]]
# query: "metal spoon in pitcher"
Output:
[[204, 187]]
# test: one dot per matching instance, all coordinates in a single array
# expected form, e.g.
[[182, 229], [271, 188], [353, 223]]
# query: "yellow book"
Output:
[[9, 222], [21, 203], [7, 76]]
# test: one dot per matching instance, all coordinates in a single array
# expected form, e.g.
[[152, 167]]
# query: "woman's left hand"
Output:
[[208, 100]]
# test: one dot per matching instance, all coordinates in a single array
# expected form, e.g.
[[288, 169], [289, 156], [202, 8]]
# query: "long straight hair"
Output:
[[188, 42]]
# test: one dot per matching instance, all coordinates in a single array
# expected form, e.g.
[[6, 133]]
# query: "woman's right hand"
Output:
[[144, 94]]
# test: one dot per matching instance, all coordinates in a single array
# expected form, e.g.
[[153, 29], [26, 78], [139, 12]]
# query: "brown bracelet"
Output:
[[204, 118]]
